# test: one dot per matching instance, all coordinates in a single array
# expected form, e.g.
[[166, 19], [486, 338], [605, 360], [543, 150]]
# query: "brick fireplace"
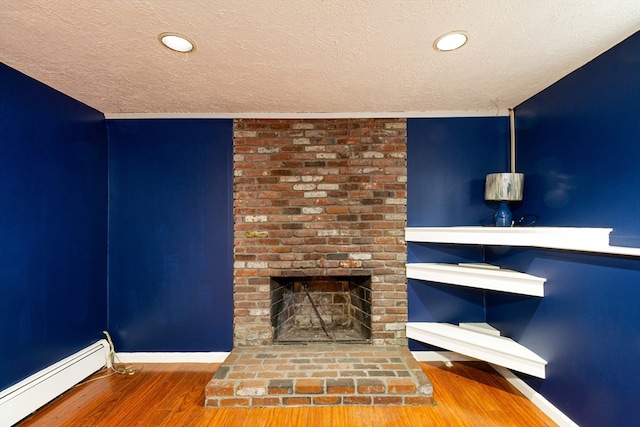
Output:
[[320, 211], [319, 198]]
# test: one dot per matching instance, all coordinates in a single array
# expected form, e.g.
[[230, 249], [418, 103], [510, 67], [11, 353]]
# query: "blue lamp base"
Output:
[[503, 215]]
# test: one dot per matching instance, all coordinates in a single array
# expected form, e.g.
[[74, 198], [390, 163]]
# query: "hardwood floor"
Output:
[[467, 394]]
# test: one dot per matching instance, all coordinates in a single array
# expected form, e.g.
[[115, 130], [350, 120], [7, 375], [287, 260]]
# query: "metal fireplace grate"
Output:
[[321, 309]]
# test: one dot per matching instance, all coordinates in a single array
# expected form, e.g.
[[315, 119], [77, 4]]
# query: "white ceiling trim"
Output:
[[284, 116]]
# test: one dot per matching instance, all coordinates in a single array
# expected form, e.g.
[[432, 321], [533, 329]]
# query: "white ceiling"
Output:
[[307, 56]]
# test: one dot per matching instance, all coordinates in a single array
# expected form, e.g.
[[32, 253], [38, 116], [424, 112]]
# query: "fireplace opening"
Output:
[[321, 309]]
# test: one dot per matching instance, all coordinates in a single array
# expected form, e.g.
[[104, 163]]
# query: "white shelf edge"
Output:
[[584, 239], [499, 350], [497, 279]]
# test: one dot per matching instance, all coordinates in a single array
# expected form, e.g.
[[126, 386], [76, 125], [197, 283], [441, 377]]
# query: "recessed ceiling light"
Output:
[[450, 41], [177, 42]]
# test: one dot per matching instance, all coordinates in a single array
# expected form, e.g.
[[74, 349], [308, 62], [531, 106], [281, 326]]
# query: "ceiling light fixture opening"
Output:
[[177, 42], [450, 41]]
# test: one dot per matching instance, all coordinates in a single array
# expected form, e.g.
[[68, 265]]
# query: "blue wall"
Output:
[[152, 199], [170, 235], [579, 147], [578, 143], [53, 226], [587, 327], [447, 162]]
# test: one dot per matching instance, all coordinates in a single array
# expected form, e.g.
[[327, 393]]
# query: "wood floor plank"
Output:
[[133, 406], [331, 416], [294, 416], [170, 397], [466, 394]]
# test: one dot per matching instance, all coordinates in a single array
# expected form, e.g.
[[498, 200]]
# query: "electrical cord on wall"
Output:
[[527, 220], [119, 367], [116, 368]]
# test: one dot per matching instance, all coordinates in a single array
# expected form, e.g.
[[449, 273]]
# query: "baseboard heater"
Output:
[[30, 394]]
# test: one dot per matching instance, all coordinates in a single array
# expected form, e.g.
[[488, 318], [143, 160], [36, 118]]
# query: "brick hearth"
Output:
[[317, 375]]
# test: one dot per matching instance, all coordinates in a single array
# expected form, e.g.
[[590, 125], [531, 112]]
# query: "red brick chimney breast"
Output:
[[319, 198]]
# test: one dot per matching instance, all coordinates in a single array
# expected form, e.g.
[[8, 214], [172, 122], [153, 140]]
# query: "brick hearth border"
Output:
[[319, 375], [319, 197]]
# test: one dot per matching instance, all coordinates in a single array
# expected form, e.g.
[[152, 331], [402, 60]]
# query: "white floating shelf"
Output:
[[485, 328], [479, 276], [566, 238], [499, 350]]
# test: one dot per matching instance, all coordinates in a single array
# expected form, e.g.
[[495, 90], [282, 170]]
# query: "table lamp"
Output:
[[504, 187]]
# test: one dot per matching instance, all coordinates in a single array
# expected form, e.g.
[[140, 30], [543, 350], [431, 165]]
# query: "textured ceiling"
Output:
[[307, 56]]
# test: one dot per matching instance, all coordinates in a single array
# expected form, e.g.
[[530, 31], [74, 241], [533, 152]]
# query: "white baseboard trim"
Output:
[[30, 394], [22, 399], [170, 357], [536, 398]]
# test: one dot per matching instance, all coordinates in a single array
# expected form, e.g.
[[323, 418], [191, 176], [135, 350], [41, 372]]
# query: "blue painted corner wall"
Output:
[[53, 226], [171, 235], [586, 327], [123, 226], [447, 161], [578, 144]]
